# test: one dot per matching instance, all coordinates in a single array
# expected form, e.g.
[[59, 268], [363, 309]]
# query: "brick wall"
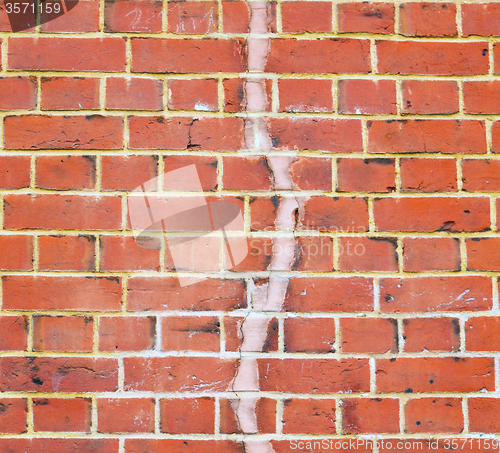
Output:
[[358, 141]]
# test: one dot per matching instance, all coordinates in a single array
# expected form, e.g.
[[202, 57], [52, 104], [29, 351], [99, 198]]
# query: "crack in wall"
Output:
[[270, 295]]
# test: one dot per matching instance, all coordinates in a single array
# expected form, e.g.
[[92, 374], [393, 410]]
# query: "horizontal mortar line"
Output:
[[424, 436], [246, 153], [220, 193], [229, 394], [238, 313], [235, 275], [277, 396], [333, 356], [229, 274], [127, 114], [299, 36], [244, 75]]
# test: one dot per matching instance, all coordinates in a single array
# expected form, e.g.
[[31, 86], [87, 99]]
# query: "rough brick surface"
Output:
[[250, 227]]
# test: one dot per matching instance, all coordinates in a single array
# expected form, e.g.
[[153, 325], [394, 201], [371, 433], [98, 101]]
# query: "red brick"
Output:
[[265, 413], [166, 294], [329, 294], [51, 211], [496, 56], [333, 135], [65, 172], [374, 335], [187, 55], [481, 19], [69, 445], [433, 58], [58, 374], [133, 16], [482, 333], [62, 414], [366, 175], [125, 415], [67, 54], [180, 333], [14, 172], [429, 96], [431, 334], [234, 334], [69, 93], [482, 254], [181, 446], [314, 416], [314, 254], [199, 374], [432, 214], [323, 375], [128, 172], [428, 175], [496, 137], [17, 253], [426, 136], [298, 336], [19, 22], [134, 94], [368, 97], [83, 19], [481, 175], [311, 173], [335, 214], [74, 253], [435, 374], [208, 134], [188, 415], [434, 415], [368, 254], [364, 17], [310, 17], [63, 132], [189, 17], [263, 211], [431, 254], [51, 293], [247, 173], [370, 415], [236, 17], [428, 19], [123, 253], [318, 57], [206, 167], [13, 335], [428, 294], [13, 415], [18, 93], [484, 415], [305, 95], [126, 333], [194, 94], [482, 97], [63, 333]]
